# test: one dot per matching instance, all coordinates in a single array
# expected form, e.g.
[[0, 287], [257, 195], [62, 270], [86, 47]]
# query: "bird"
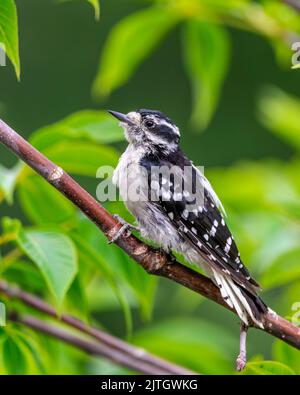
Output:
[[176, 208]]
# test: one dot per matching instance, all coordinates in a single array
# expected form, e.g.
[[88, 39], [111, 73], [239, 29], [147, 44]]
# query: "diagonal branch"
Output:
[[111, 347], [153, 261], [89, 347]]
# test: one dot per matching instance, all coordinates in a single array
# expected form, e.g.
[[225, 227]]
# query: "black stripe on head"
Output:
[[144, 112], [166, 133], [162, 127]]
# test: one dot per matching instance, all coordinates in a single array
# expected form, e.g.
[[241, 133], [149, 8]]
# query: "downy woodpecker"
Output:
[[178, 210]]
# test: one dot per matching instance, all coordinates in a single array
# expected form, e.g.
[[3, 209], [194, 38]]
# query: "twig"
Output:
[[144, 361], [153, 261], [91, 348]]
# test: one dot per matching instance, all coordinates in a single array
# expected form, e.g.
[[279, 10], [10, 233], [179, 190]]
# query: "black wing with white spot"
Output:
[[204, 225], [207, 230]]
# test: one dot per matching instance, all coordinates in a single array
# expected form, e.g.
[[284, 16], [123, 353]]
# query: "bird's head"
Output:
[[149, 127]]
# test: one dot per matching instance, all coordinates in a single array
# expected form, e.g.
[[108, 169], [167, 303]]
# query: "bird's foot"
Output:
[[242, 358], [125, 227], [172, 258], [241, 362]]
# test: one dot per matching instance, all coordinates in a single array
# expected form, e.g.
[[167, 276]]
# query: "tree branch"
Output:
[[112, 347], [295, 4], [153, 261], [91, 348]]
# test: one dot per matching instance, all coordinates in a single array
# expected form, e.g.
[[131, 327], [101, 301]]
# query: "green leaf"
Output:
[[86, 125], [287, 355], [141, 285], [274, 238], [183, 340], [206, 54], [36, 196], [267, 368], [285, 16], [128, 44], [279, 112], [96, 5], [11, 227], [82, 158], [8, 179], [89, 255], [9, 32], [283, 270], [98, 126], [104, 367], [26, 275], [53, 253], [33, 351], [13, 357], [269, 185], [76, 299]]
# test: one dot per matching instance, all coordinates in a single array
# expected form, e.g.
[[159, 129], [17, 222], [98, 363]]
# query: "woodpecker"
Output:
[[176, 208]]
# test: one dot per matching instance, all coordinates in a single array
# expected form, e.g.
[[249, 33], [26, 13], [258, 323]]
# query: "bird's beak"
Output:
[[122, 117]]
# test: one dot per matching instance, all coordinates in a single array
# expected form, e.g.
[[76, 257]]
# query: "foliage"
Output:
[[268, 368], [54, 251], [205, 43], [129, 43], [96, 5], [9, 32]]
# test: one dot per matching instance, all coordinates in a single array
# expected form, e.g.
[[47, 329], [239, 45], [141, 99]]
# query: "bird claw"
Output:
[[125, 227], [120, 232], [240, 362], [172, 258], [120, 219]]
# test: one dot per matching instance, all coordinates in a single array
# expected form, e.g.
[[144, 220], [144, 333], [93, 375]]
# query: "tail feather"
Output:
[[238, 306], [248, 303], [223, 290], [248, 306], [257, 305]]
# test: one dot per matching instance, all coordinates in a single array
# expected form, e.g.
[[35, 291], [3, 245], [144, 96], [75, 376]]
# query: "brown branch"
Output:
[[153, 261], [295, 4], [143, 361], [91, 348]]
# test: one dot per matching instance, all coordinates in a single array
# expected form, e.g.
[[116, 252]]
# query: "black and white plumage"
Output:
[[180, 212]]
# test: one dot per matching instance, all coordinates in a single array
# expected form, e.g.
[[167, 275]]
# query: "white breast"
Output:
[[128, 178], [152, 222]]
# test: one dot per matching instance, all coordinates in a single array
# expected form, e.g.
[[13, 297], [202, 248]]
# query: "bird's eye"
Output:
[[149, 123]]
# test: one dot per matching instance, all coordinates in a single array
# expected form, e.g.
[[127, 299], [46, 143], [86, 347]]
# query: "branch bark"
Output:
[[111, 347], [153, 261]]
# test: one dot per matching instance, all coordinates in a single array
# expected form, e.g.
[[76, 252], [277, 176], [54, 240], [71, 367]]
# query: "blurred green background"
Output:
[[249, 146]]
